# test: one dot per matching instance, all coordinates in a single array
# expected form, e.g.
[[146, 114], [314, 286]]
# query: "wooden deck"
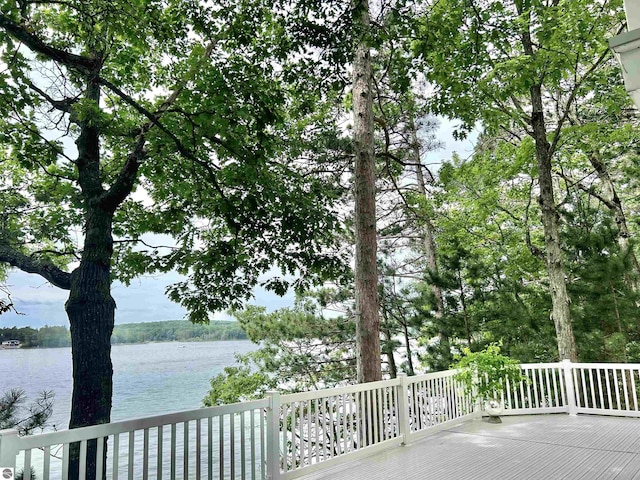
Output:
[[523, 447]]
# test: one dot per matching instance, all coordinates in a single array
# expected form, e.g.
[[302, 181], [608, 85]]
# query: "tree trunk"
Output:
[[407, 343], [560, 312], [366, 273], [444, 345], [387, 349], [90, 307], [91, 310]]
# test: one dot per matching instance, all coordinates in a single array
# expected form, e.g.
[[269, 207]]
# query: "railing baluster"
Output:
[[548, 385], [376, 418], [345, 422], [116, 457], [554, 375], [210, 449], [617, 387], [243, 451], [221, 445], [623, 374], [382, 406], [609, 399], [536, 388], [173, 451], [453, 413], [585, 401], [232, 445], [65, 463], [308, 437], [294, 443], [131, 454], [370, 439], [592, 387], [145, 455], [185, 449], [563, 387], [317, 430], [600, 391], [529, 396], [541, 389], [27, 463], [633, 389], [252, 426], [356, 427], [160, 449], [198, 448], [263, 441], [46, 466]]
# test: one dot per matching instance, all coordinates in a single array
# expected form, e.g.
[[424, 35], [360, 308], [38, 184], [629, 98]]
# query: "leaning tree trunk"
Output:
[[444, 345], [366, 272]]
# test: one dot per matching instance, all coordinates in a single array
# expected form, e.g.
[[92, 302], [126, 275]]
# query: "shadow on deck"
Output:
[[522, 447]]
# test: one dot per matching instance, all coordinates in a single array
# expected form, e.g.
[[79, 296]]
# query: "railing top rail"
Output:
[[622, 366], [542, 365], [432, 375], [330, 392], [98, 431], [582, 365]]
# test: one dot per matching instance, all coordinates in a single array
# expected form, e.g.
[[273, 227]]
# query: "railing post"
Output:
[[273, 431], [402, 395], [567, 368], [9, 448]]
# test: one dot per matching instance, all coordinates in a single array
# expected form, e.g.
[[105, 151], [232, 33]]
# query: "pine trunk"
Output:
[[366, 273]]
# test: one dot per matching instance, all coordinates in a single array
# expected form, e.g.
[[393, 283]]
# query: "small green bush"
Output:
[[484, 373]]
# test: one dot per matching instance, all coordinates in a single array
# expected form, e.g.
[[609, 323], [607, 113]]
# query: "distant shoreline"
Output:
[[191, 340], [132, 333]]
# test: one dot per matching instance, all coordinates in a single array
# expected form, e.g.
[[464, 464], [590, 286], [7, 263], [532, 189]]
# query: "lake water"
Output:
[[149, 379]]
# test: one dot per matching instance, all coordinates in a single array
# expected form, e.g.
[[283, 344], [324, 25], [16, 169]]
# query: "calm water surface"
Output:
[[149, 379]]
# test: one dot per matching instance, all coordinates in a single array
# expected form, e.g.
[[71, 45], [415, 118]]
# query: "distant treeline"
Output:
[[168, 331]]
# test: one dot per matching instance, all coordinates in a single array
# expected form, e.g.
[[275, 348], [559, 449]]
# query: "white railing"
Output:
[[286, 436], [607, 389], [436, 399], [218, 442], [544, 390]]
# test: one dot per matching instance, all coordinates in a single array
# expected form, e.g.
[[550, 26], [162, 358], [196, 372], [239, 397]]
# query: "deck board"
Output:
[[524, 447]]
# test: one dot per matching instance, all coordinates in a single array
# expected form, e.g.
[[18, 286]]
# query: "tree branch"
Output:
[[62, 105], [79, 63], [126, 178], [44, 268]]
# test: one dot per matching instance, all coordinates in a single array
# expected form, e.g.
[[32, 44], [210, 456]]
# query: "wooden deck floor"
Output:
[[536, 447]]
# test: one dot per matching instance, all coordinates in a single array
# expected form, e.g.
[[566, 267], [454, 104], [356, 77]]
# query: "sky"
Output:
[[40, 303]]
